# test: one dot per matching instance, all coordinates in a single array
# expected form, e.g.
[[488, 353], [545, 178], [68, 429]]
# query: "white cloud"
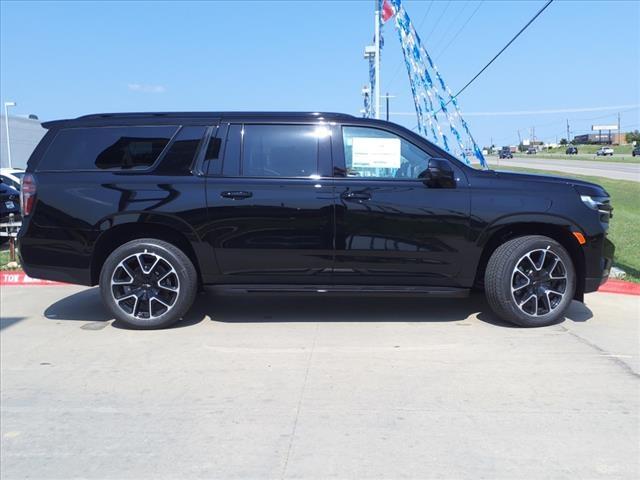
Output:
[[146, 88]]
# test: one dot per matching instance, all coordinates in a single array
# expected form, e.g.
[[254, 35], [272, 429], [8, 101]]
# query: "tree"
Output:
[[631, 137], [563, 141]]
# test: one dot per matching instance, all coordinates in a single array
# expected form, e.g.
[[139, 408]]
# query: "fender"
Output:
[[519, 218]]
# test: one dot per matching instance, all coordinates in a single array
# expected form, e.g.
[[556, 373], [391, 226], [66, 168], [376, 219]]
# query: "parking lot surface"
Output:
[[317, 387]]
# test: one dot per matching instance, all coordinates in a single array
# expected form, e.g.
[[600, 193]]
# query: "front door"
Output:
[[391, 228], [271, 209]]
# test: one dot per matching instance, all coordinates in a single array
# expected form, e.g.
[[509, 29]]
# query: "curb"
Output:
[[620, 286], [18, 277]]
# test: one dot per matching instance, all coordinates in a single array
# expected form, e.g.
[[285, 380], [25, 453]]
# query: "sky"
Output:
[[580, 60]]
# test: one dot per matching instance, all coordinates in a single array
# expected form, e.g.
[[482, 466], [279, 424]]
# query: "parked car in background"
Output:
[[505, 152], [636, 151], [604, 151], [12, 177], [571, 150], [531, 151], [9, 205], [155, 205]]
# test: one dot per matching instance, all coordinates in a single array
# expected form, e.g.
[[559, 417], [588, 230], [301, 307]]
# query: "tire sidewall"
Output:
[[539, 243], [178, 261]]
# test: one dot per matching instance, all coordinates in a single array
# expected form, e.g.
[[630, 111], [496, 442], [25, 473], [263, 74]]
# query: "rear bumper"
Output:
[[56, 254]]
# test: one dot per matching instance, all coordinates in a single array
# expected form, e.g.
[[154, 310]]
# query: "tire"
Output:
[[509, 292], [148, 283]]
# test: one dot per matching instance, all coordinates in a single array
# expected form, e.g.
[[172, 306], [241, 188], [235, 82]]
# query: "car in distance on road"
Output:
[[604, 151], [636, 151], [153, 206], [571, 150], [531, 151], [505, 152]]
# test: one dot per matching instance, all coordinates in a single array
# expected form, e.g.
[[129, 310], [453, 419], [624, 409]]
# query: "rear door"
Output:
[[270, 204], [391, 228]]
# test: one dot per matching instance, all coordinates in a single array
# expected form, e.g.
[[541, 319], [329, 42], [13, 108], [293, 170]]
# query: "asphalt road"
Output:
[[317, 387], [616, 171]]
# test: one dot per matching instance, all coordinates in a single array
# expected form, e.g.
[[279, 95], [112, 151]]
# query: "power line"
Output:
[[460, 30], [448, 28], [614, 108], [437, 22], [500, 52], [425, 14]]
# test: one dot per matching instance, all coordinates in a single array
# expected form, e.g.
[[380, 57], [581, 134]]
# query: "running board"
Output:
[[347, 289]]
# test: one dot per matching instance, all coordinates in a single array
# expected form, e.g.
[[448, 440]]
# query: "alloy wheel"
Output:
[[145, 285], [539, 282]]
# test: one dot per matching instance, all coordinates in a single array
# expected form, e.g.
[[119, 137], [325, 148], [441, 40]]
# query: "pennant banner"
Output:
[[437, 110]]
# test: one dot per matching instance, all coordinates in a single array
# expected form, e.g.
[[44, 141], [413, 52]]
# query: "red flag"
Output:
[[387, 11]]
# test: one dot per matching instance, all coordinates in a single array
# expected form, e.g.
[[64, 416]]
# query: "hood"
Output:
[[584, 187]]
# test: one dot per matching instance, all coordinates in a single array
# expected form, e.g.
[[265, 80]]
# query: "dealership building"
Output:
[[24, 135]]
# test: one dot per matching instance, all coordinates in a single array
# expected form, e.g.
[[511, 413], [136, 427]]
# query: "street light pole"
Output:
[[6, 122]]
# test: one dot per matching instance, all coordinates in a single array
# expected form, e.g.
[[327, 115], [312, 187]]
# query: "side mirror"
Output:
[[439, 174]]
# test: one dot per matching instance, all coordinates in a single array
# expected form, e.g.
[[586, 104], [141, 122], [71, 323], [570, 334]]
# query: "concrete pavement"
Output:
[[317, 387], [613, 170]]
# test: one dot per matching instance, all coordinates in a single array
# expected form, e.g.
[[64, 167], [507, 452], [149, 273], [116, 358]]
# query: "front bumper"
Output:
[[592, 283]]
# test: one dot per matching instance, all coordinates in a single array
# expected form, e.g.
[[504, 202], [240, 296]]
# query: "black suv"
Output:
[[151, 206], [571, 150], [505, 152]]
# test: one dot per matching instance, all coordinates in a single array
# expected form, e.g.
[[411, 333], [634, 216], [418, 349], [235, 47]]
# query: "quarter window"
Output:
[[106, 148], [179, 157], [279, 151], [373, 153]]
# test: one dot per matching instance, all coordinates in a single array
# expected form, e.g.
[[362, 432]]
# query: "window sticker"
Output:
[[375, 152]]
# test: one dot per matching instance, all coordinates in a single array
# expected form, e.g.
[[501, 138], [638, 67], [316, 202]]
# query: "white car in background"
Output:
[[605, 151], [12, 177]]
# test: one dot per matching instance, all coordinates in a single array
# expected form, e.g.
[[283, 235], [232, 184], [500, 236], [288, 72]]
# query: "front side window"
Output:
[[279, 150], [106, 148], [373, 153]]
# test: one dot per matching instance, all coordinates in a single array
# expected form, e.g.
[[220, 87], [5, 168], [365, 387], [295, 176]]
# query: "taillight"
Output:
[[27, 194]]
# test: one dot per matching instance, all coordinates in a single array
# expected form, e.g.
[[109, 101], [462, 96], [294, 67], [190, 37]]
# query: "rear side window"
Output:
[[106, 148], [179, 158], [279, 151]]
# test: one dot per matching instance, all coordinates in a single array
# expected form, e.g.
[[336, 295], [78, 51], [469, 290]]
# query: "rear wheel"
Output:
[[148, 283], [530, 281]]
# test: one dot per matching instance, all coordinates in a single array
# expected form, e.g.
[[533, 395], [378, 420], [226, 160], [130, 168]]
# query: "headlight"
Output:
[[602, 205]]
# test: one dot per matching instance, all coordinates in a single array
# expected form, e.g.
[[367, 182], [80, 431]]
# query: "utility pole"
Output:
[[376, 91], [568, 136], [519, 138], [387, 97], [619, 132]]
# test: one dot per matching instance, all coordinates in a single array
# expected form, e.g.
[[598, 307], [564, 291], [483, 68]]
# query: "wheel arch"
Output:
[[560, 232], [122, 233]]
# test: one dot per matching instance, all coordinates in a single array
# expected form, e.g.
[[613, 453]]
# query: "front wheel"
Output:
[[148, 283], [530, 281]]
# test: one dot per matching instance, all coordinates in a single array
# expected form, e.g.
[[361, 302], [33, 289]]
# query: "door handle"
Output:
[[356, 196], [236, 195]]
